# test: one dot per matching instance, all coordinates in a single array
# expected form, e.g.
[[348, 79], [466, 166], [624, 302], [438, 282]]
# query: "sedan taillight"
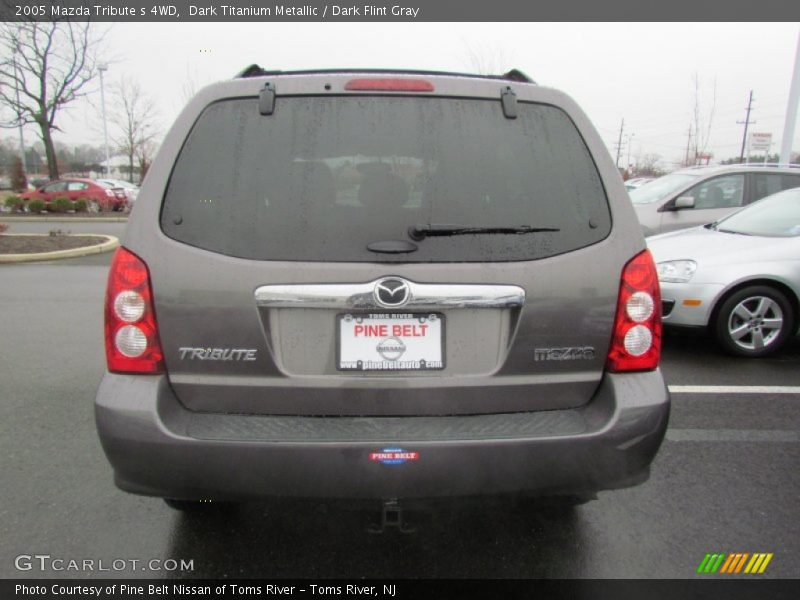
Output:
[[636, 341], [131, 331]]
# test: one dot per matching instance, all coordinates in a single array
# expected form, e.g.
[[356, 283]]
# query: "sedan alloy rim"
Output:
[[755, 323]]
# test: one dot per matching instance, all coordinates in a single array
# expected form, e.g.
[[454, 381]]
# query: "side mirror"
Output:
[[684, 202]]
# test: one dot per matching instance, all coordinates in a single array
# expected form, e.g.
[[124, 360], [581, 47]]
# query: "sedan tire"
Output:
[[754, 321]]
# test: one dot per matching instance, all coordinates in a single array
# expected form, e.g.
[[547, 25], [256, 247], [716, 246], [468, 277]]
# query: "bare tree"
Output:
[[703, 117], [485, 60], [145, 152], [135, 116], [46, 65], [647, 166], [190, 86]]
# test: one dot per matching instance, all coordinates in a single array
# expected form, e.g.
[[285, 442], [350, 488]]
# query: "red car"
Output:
[[100, 196]]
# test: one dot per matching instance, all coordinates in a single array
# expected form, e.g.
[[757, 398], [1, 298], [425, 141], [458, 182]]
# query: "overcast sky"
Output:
[[637, 71]]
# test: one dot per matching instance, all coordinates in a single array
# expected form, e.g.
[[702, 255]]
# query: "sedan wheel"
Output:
[[754, 321]]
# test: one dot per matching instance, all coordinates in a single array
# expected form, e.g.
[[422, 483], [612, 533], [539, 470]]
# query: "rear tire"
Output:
[[754, 321]]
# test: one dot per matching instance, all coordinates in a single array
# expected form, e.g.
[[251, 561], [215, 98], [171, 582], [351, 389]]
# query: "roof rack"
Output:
[[743, 166], [256, 71], [760, 164]]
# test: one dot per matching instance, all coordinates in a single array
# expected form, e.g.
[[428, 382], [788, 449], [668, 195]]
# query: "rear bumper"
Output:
[[159, 448]]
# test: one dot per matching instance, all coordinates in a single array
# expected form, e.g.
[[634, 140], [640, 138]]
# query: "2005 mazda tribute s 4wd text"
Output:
[[389, 285]]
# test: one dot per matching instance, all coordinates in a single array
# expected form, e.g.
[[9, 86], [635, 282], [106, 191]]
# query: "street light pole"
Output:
[[630, 138], [102, 68], [21, 121]]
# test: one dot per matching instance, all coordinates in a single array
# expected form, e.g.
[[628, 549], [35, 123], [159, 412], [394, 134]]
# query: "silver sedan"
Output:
[[739, 276]]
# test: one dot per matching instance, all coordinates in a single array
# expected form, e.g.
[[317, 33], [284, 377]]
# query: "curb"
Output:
[[9, 219], [110, 243]]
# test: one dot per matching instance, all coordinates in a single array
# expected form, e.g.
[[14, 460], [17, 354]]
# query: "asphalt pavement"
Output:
[[725, 480]]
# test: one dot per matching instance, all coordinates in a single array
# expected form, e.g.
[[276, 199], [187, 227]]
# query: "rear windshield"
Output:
[[324, 177]]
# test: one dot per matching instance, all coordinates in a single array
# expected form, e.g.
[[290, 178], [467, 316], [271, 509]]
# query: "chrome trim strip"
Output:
[[422, 296]]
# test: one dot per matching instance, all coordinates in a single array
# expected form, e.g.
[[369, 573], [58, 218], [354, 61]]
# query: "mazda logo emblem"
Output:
[[391, 292]]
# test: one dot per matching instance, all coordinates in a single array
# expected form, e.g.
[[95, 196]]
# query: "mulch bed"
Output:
[[24, 244]]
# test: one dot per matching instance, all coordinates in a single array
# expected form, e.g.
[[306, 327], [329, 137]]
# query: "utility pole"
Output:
[[791, 110], [619, 141], [746, 122], [688, 143]]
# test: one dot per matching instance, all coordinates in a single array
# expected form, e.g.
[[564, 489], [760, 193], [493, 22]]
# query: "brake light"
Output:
[[636, 342], [131, 332], [384, 84]]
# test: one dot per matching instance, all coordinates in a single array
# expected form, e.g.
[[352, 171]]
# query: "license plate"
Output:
[[390, 342]]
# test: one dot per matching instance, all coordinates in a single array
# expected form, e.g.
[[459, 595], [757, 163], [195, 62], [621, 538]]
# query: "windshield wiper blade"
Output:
[[732, 231], [419, 232]]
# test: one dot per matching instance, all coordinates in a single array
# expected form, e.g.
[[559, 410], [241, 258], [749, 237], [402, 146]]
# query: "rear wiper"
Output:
[[419, 232]]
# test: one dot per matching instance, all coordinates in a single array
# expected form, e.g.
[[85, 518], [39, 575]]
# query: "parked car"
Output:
[[637, 182], [699, 195], [37, 182], [131, 190], [100, 197], [390, 285], [739, 277]]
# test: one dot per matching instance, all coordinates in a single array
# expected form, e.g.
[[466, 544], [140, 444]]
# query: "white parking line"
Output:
[[734, 389]]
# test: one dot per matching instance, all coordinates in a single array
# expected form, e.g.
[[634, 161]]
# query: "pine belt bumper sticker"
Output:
[[393, 456]]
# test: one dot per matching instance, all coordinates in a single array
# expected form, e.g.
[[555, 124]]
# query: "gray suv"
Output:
[[389, 285], [699, 195]]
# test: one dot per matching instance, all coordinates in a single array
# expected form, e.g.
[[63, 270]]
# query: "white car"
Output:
[[637, 182], [131, 190], [739, 276]]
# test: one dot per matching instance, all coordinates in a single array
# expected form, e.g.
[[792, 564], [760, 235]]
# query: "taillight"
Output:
[[131, 332], [389, 84], [109, 193], [636, 342]]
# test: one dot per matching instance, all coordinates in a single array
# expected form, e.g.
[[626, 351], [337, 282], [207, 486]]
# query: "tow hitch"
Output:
[[391, 516]]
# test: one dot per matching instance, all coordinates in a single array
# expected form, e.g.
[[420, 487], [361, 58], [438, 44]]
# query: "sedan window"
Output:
[[719, 192], [58, 186], [661, 188]]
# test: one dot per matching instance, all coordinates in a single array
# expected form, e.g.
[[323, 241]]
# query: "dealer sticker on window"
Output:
[[390, 342]]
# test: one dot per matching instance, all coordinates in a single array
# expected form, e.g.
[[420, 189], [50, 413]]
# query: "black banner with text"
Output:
[[397, 10]]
